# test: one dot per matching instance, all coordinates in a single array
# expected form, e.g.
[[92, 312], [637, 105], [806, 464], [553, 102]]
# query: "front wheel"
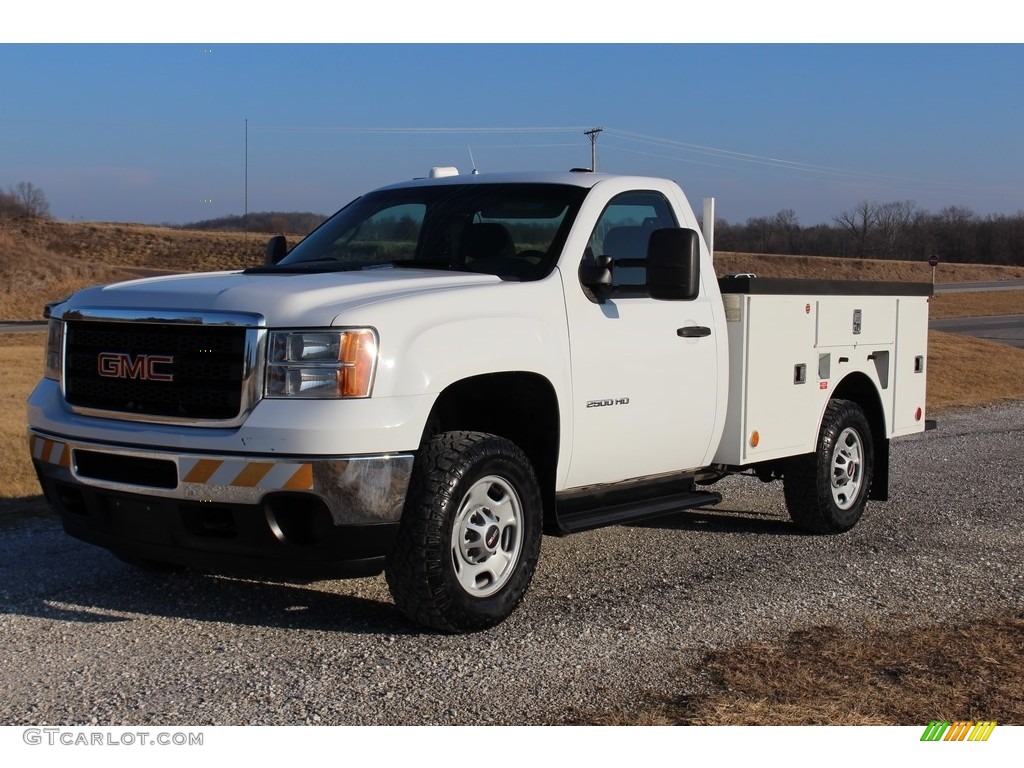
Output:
[[826, 491], [470, 533]]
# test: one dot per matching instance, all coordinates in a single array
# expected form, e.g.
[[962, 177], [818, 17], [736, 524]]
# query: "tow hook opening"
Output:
[[298, 519]]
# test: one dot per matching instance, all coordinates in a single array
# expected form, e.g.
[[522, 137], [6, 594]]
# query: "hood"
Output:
[[288, 299]]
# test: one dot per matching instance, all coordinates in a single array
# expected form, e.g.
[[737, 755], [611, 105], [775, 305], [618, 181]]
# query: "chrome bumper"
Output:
[[358, 490]]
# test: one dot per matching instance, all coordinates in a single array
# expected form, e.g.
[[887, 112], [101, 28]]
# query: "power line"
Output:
[[723, 158], [738, 156], [415, 129]]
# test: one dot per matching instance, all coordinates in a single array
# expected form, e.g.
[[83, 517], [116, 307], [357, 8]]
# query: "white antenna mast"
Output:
[[471, 160]]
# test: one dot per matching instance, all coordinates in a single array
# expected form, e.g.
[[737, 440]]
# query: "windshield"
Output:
[[512, 230]]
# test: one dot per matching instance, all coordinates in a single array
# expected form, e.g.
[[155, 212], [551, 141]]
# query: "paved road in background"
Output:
[[25, 327], [987, 285], [1007, 329]]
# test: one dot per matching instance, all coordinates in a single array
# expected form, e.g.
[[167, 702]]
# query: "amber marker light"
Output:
[[755, 438], [358, 357]]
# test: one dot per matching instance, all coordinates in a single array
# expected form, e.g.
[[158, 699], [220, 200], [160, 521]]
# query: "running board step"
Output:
[[573, 517]]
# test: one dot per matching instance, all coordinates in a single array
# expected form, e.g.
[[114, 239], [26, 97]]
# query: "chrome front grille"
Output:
[[161, 370]]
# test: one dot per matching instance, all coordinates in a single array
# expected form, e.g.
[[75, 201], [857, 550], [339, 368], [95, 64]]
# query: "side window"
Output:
[[622, 233]]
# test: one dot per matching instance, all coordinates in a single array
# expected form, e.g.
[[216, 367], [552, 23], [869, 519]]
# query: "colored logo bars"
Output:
[[960, 730]]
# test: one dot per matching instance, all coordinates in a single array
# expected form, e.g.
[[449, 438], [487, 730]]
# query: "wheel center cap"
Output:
[[491, 539]]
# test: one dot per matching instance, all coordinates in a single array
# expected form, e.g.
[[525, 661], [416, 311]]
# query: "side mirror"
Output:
[[673, 264], [277, 249], [597, 277]]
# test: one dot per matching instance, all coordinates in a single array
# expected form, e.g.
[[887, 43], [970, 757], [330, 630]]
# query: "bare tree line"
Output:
[[263, 221], [24, 200], [895, 230]]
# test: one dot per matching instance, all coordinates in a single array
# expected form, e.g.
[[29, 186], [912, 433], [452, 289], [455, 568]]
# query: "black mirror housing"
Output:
[[597, 276], [673, 264], [277, 249]]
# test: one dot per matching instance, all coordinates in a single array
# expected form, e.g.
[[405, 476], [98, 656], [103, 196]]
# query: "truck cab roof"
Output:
[[582, 178]]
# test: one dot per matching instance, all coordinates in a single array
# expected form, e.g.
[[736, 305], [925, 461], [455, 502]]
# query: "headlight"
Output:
[[321, 364], [54, 346]]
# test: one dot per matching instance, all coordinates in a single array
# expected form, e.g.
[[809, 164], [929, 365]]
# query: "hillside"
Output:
[[264, 221], [44, 260], [833, 268], [135, 245]]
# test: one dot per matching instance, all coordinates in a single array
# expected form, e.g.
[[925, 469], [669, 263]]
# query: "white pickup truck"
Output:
[[449, 367]]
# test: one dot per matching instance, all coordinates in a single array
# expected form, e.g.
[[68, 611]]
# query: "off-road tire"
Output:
[[826, 491], [470, 533]]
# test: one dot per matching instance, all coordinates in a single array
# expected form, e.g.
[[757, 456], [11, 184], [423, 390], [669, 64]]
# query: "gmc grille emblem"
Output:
[[121, 365]]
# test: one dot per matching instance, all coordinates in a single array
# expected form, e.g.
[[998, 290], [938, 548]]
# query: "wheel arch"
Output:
[[520, 406], [860, 389]]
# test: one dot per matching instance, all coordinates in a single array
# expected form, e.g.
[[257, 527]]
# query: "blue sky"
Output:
[[150, 132]]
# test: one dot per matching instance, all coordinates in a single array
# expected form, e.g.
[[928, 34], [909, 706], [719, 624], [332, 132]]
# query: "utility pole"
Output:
[[245, 215], [592, 133]]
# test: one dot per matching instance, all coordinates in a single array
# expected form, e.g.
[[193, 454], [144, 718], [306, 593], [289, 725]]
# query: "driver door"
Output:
[[644, 397]]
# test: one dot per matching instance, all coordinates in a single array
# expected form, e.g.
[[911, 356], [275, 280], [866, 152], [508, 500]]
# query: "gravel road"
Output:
[[611, 615]]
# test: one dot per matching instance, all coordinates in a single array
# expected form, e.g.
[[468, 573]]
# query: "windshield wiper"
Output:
[[421, 264], [312, 265], [333, 265]]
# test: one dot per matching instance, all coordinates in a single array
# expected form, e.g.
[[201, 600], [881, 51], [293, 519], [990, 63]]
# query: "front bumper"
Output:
[[262, 515]]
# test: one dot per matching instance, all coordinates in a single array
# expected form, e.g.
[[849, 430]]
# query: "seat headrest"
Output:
[[627, 242], [486, 241]]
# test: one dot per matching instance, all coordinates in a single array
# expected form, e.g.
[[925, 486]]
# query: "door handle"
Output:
[[694, 331]]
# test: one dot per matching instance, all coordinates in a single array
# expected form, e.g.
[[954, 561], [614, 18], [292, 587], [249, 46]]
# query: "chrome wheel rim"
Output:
[[847, 468], [487, 536]]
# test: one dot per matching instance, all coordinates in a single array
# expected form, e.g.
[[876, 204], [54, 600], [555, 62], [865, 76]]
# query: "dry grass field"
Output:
[[31, 276], [964, 371], [823, 675], [832, 676], [138, 245], [825, 268], [23, 363], [41, 261], [981, 304]]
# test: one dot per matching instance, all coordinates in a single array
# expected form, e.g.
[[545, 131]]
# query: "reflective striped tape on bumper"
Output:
[[265, 475], [50, 451], [237, 474]]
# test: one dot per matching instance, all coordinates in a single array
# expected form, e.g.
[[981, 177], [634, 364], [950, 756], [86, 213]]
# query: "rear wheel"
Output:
[[826, 491], [470, 533]]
